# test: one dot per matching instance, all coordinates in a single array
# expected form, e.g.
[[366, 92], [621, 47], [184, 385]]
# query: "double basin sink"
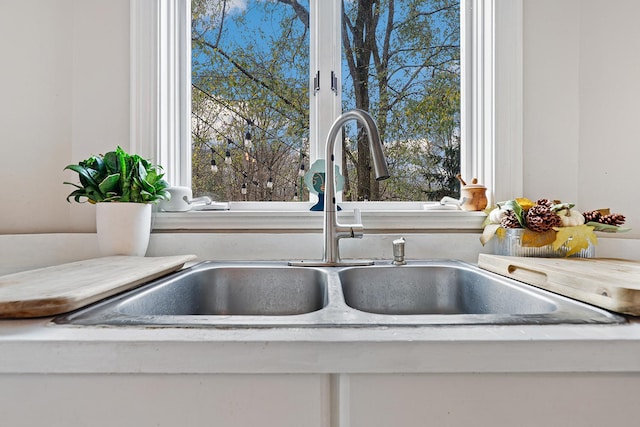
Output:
[[272, 294]]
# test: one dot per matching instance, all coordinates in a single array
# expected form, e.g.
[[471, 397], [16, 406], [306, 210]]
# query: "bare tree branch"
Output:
[[301, 12], [250, 76]]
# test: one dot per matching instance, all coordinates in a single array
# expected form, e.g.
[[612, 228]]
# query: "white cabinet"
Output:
[[164, 400], [294, 400], [541, 399]]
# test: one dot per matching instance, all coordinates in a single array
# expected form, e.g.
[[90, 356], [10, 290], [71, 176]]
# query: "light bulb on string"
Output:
[[295, 194], [214, 167], [301, 171], [247, 141], [243, 189], [270, 183], [227, 157]]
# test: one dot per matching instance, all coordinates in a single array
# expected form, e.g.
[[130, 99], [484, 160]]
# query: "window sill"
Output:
[[297, 218]]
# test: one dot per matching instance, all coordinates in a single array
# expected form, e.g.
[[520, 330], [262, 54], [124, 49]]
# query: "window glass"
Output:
[[250, 97], [401, 62]]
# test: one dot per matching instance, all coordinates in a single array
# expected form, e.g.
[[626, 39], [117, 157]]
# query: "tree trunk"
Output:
[[359, 52]]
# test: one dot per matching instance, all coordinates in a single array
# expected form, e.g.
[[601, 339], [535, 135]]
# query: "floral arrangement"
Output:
[[550, 222]]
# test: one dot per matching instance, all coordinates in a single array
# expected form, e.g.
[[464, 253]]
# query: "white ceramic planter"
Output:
[[123, 228]]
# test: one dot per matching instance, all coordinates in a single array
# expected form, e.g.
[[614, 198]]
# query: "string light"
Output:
[[214, 167], [301, 170], [230, 142], [248, 143], [238, 113], [247, 136]]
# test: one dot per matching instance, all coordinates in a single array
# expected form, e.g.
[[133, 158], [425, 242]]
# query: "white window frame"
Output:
[[492, 118]]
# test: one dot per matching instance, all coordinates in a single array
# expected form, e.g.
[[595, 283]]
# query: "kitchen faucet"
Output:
[[333, 230]]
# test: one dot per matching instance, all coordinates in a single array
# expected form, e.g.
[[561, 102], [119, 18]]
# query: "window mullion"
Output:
[[326, 50]]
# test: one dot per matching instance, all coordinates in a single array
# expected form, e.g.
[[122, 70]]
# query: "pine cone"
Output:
[[592, 216], [544, 202], [510, 220], [540, 218], [612, 219]]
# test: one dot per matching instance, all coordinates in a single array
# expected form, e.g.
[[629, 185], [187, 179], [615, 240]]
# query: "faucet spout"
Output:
[[333, 230]]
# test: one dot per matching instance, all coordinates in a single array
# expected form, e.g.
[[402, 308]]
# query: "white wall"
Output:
[[65, 92], [64, 82], [610, 107], [582, 86]]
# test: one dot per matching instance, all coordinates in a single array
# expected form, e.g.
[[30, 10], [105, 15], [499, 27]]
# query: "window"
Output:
[[250, 99], [259, 65], [491, 85]]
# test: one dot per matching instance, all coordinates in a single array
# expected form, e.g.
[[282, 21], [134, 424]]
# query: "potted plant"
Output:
[[122, 186]]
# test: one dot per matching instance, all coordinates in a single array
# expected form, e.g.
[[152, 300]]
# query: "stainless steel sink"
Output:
[[442, 289], [232, 291], [272, 294]]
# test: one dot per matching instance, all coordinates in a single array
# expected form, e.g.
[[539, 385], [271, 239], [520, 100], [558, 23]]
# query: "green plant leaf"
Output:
[[83, 172], [147, 186], [75, 185], [608, 228], [110, 184], [95, 195], [111, 162], [77, 195]]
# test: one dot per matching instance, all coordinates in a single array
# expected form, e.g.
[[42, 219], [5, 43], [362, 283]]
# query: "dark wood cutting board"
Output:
[[59, 289], [613, 284]]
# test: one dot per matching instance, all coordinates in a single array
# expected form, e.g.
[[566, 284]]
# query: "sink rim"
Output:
[[337, 313]]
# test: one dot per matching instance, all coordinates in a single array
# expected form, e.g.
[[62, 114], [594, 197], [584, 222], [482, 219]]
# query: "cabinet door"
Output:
[[164, 400], [539, 399]]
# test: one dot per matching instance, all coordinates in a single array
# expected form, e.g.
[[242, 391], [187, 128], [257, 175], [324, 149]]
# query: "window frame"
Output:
[[492, 118]]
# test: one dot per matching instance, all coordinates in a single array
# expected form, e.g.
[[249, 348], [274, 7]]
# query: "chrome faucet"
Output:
[[333, 230]]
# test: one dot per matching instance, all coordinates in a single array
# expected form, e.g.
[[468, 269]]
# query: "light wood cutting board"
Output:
[[59, 289], [612, 284]]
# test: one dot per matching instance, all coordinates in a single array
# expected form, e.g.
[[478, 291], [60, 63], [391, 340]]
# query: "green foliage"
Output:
[[118, 177]]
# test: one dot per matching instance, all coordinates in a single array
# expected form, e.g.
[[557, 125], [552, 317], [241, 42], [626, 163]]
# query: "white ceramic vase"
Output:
[[123, 228]]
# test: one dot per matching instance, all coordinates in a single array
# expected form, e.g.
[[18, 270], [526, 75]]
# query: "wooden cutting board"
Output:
[[612, 284], [59, 289]]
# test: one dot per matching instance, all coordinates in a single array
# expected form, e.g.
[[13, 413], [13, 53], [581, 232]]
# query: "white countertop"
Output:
[[39, 346]]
